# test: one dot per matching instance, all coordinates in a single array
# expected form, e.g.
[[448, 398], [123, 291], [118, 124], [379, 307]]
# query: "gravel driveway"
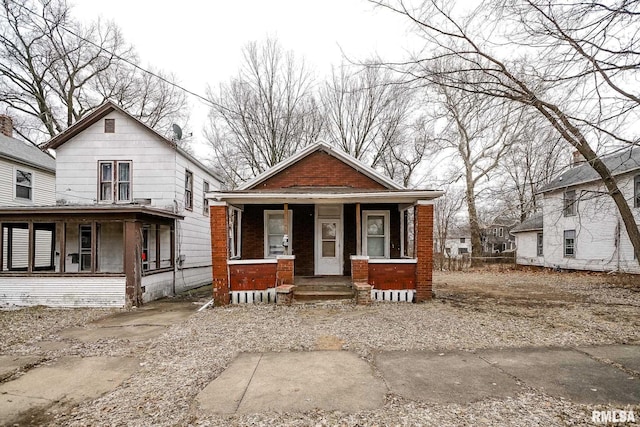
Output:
[[478, 310]]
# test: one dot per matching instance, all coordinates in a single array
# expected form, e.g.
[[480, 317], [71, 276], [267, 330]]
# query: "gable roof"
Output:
[[618, 163], [533, 223], [106, 108], [21, 152], [332, 151]]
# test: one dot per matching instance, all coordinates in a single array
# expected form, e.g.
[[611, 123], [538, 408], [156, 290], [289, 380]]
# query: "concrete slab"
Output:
[[626, 355], [70, 379], [11, 364], [130, 333], [154, 313], [437, 377], [294, 382], [568, 374]]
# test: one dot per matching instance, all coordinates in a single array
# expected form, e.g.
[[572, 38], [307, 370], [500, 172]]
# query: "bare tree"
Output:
[[263, 115], [370, 116], [480, 131], [53, 70], [573, 63], [445, 213]]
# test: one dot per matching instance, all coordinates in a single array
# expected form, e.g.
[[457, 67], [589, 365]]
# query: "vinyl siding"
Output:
[[43, 185], [527, 248]]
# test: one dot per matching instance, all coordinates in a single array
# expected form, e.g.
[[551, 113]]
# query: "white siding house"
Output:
[[529, 241], [27, 174], [582, 227], [130, 203]]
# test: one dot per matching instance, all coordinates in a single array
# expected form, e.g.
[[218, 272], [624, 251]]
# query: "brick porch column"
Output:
[[360, 279], [219, 253], [424, 249], [284, 271]]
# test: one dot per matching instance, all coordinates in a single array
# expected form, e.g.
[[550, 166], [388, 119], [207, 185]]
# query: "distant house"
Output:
[[582, 228], [131, 222], [322, 214], [496, 237], [27, 174], [457, 243], [529, 241]]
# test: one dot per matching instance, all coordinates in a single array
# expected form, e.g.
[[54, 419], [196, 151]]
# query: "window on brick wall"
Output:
[[274, 231], [375, 234], [407, 237]]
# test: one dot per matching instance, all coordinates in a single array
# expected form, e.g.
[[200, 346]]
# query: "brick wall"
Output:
[[359, 270], [392, 276], [319, 169], [219, 251], [285, 270], [303, 238], [252, 277], [424, 251]]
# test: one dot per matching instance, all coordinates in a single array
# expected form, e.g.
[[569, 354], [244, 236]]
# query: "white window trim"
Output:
[[268, 212], [115, 181], [188, 189], [387, 237], [206, 187], [564, 244], [235, 247], [15, 183]]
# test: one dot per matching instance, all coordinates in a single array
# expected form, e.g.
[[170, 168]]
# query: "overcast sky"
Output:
[[201, 41]]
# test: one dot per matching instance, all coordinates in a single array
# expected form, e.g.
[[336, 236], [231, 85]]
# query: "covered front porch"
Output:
[[380, 242]]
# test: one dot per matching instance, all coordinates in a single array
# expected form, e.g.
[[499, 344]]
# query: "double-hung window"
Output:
[[115, 181], [539, 241], [636, 191], [570, 203], [375, 233], [570, 243], [235, 232], [188, 190], [24, 185], [274, 232], [205, 201]]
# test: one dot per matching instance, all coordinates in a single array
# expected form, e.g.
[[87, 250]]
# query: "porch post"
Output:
[[132, 262], [424, 249], [219, 252], [358, 230], [286, 226]]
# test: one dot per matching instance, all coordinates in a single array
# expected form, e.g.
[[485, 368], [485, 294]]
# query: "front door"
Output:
[[328, 246]]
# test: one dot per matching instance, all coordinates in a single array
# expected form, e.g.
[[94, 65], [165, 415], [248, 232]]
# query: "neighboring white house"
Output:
[[131, 222], [457, 244], [529, 241], [27, 174], [582, 227]]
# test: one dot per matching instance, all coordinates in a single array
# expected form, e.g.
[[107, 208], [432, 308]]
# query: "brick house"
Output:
[[321, 214]]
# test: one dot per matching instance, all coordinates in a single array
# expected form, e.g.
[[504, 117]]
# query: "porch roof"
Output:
[[62, 211], [322, 195]]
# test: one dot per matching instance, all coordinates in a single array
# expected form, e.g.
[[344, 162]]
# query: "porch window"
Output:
[[156, 247], [205, 201], [115, 181], [570, 203], [235, 232], [500, 232], [24, 184], [539, 244], [375, 233], [94, 247], [407, 233], [570, 243], [274, 231], [188, 190], [17, 244]]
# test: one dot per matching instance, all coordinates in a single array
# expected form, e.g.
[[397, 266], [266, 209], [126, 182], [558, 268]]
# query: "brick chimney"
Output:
[[6, 125], [577, 158]]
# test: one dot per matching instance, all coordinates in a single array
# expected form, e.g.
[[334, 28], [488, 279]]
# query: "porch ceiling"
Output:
[[331, 195], [72, 211]]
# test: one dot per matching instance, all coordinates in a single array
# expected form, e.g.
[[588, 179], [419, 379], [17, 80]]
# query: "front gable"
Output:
[[320, 165], [320, 169]]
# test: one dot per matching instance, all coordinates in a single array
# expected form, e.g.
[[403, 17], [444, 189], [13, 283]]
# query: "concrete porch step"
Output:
[[321, 295]]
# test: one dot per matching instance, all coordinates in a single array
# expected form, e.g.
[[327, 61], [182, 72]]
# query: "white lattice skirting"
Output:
[[395, 296], [254, 297]]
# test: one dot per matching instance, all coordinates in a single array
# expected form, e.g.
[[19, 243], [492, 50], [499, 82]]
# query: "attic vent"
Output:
[[109, 125]]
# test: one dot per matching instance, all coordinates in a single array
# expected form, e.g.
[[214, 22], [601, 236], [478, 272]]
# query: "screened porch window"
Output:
[[376, 233], [17, 244], [274, 231], [235, 232], [407, 237]]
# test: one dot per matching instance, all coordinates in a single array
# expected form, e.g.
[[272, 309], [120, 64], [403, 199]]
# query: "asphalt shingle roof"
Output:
[[618, 163], [530, 224], [16, 150]]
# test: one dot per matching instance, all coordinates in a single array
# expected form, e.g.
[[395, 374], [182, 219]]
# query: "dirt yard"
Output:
[[491, 308]]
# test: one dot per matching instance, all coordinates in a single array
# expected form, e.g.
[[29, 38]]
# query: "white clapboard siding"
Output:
[[254, 297], [157, 285], [64, 291], [393, 295]]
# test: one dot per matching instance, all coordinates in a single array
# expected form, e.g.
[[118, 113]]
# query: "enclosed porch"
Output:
[[86, 256]]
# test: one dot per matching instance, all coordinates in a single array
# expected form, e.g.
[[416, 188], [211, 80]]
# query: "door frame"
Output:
[[339, 238]]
